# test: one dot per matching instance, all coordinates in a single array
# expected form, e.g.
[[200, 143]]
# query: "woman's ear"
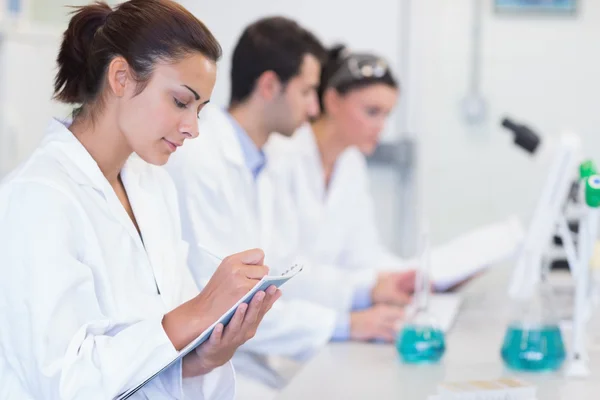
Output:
[[118, 76]]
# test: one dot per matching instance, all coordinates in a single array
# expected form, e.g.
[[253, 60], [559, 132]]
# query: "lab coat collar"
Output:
[[306, 142], [82, 168], [254, 157], [141, 189], [225, 133], [81, 165]]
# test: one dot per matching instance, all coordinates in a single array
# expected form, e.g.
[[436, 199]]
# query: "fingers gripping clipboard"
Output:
[[262, 285]]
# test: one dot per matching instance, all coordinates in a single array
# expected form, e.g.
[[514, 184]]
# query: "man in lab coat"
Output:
[[228, 199]]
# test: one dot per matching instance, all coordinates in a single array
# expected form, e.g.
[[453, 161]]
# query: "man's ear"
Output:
[[268, 85]]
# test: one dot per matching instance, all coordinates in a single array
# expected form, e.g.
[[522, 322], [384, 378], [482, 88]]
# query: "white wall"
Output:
[[542, 70], [27, 71], [47, 11], [55, 11]]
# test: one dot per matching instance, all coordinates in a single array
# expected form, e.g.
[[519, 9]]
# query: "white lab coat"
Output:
[[10, 386], [337, 224], [225, 211], [224, 206], [82, 296]]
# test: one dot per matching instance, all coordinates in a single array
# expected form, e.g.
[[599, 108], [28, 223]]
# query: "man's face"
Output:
[[299, 100]]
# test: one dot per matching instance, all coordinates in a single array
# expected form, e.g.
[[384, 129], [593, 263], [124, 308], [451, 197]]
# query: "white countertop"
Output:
[[372, 371]]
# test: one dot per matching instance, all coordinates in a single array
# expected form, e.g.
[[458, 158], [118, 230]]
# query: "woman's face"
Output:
[[156, 121], [360, 115]]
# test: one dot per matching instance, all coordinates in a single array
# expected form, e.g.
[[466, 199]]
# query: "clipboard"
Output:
[[261, 285]]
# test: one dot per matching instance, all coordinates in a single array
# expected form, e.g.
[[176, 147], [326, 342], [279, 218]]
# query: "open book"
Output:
[[262, 285]]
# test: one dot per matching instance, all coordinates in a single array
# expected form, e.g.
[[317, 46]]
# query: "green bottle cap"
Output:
[[592, 191], [587, 169]]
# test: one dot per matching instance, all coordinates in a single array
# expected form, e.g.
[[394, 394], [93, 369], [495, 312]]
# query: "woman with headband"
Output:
[[326, 158]]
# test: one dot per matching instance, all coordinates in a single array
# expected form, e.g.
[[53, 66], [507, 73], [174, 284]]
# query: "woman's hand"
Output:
[[235, 276], [223, 343]]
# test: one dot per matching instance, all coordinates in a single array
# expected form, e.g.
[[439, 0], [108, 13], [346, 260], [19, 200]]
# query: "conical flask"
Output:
[[533, 339], [421, 339]]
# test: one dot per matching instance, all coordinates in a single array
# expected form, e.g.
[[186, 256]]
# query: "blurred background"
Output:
[[464, 65]]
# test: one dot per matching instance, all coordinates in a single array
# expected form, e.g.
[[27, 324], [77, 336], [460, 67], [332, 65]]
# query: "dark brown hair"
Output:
[[337, 59], [141, 31], [275, 44]]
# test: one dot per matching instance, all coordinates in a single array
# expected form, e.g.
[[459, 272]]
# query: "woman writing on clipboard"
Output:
[[95, 294]]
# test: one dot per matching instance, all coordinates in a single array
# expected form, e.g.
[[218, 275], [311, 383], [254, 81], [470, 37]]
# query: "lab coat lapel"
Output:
[[265, 199], [219, 125], [120, 213], [85, 171], [224, 133], [311, 192], [144, 199], [242, 183], [309, 151], [279, 232], [324, 200]]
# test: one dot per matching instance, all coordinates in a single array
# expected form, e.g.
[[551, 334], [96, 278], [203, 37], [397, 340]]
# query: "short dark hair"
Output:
[[275, 44], [141, 31], [337, 73]]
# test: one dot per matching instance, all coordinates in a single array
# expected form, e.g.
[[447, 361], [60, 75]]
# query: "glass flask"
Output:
[[421, 340], [533, 340]]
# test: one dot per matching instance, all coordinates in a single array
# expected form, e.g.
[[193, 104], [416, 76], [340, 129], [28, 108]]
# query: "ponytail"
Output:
[[335, 58], [73, 83]]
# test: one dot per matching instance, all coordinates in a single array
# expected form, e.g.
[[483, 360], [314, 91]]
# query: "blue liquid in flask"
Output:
[[533, 349], [418, 344]]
